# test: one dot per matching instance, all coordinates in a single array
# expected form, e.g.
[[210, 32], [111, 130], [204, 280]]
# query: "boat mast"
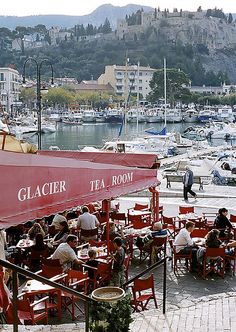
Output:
[[126, 94], [165, 87], [138, 96]]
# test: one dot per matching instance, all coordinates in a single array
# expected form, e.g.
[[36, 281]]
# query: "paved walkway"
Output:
[[210, 314]]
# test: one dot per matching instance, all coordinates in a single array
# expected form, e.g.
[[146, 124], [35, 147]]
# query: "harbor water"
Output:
[[74, 137]]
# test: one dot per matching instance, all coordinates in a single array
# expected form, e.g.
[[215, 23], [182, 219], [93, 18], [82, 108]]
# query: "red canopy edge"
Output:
[[34, 186], [125, 159]]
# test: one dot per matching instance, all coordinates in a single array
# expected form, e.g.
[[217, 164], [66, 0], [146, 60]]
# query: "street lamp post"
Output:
[[39, 105]]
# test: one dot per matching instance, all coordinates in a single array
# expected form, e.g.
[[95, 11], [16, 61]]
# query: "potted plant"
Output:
[[110, 316]]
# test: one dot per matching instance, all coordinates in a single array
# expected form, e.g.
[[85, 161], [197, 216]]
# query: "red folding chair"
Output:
[[143, 291]]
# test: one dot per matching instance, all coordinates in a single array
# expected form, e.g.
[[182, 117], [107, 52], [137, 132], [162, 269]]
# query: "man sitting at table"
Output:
[[58, 218], [147, 240], [65, 252], [87, 221], [184, 243]]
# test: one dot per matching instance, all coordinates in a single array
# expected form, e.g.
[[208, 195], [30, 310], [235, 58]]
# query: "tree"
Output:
[[230, 18], [58, 96], [176, 82], [106, 26]]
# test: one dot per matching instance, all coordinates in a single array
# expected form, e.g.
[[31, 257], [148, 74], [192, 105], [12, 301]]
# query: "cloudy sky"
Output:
[[80, 7]]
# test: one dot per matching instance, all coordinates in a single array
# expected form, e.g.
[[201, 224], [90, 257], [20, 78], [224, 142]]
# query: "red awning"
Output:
[[125, 159], [33, 186]]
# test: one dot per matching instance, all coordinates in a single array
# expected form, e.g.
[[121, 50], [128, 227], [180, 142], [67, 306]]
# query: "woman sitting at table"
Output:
[[62, 235], [36, 252], [113, 232], [213, 241], [35, 229]]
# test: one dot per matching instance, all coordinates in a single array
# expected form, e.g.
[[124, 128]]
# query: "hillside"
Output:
[[97, 17]]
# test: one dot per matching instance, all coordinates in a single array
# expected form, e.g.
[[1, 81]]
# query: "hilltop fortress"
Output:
[[183, 26]]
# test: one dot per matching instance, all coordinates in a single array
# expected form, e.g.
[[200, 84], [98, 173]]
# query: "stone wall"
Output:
[[186, 27]]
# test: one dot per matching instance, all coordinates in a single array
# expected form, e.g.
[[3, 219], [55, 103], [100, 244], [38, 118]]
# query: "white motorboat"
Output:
[[114, 115], [173, 115], [89, 116], [190, 116], [135, 115], [225, 113], [207, 114], [220, 130], [154, 115]]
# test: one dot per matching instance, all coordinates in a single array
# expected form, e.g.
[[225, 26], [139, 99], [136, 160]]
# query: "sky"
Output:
[[81, 7]]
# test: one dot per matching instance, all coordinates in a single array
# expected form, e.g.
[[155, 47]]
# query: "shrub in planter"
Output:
[[110, 316]]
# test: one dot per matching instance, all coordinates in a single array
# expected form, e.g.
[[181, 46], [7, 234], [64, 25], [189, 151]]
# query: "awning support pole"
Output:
[[106, 209], [155, 204]]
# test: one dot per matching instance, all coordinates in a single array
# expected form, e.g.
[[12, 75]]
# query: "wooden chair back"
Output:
[[186, 209], [199, 232]]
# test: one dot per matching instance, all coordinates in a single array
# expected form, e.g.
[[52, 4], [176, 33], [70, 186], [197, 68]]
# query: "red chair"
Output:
[[232, 219], [186, 209], [88, 234], [77, 280], [178, 257], [119, 218], [156, 249], [139, 221], [50, 268], [213, 261], [140, 206], [141, 296], [172, 227], [34, 259], [27, 312], [199, 232], [102, 275]]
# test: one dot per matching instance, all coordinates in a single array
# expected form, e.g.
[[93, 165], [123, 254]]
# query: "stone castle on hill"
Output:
[[183, 26]]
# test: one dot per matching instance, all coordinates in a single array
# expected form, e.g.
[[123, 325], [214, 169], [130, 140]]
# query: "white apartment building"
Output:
[[126, 79], [9, 88]]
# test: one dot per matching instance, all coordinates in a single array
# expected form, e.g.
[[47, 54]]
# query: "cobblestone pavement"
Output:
[[210, 314]]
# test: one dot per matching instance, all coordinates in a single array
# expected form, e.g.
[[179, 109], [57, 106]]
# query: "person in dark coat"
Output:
[[188, 182], [222, 222]]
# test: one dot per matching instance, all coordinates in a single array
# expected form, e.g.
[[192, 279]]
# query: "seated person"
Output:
[[146, 240], [87, 221], [113, 232], [58, 218], [65, 252], [91, 262], [32, 252], [222, 222], [61, 236], [213, 241], [35, 229], [184, 243]]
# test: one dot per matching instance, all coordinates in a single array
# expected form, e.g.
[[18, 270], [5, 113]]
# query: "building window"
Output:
[[140, 81], [119, 80], [140, 88], [2, 77], [119, 73], [140, 74]]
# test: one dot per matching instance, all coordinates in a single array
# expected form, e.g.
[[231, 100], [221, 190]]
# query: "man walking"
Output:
[[188, 182]]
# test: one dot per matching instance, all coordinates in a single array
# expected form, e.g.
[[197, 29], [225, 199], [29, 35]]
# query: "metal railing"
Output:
[[150, 268], [19, 270]]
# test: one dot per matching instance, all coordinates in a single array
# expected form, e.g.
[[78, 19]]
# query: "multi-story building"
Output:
[[128, 79], [9, 88]]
